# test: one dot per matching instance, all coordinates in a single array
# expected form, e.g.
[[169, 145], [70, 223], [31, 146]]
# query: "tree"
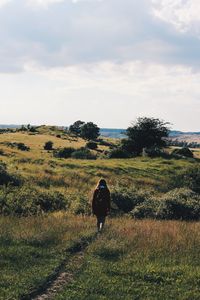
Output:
[[75, 128], [145, 133], [89, 131]]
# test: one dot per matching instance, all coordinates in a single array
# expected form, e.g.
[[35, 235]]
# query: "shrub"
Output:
[[83, 153], [189, 178], [146, 209], [118, 153], [183, 152], [48, 145], [64, 152], [91, 145], [26, 201], [179, 204], [154, 152], [6, 178], [22, 147], [80, 205], [127, 199]]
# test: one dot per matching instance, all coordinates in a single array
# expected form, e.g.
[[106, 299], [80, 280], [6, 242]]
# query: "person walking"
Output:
[[101, 203]]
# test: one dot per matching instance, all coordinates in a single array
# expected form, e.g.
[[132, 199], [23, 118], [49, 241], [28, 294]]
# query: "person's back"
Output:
[[101, 203]]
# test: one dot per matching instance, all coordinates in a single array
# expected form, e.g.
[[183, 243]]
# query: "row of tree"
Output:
[[87, 131], [144, 133]]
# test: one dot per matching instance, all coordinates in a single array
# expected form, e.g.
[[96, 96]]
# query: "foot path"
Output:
[[64, 273]]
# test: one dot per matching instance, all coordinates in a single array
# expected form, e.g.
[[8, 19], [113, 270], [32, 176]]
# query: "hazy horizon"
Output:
[[106, 61]]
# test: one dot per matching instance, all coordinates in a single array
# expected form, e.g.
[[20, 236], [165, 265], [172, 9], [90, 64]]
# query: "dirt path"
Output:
[[64, 273]]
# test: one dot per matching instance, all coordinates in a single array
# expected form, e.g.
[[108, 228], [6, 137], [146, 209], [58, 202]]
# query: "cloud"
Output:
[[60, 95], [182, 14], [43, 3], [69, 32], [3, 2], [87, 31]]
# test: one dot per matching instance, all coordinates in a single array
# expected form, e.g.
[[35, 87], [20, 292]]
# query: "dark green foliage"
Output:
[[179, 204], [64, 152], [80, 205], [189, 178], [126, 199], [129, 146], [146, 209], [26, 201], [155, 152], [23, 128], [76, 128], [118, 153], [83, 153], [6, 178], [89, 131], [185, 152], [145, 133], [91, 145], [22, 147], [48, 145]]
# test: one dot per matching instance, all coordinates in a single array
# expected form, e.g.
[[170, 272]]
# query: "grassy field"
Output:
[[140, 260], [32, 248], [131, 259]]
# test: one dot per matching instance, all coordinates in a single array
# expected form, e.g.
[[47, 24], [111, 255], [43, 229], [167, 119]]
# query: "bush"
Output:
[[80, 205], [179, 204], [127, 199], [189, 178], [182, 152], [48, 145], [154, 152], [118, 153], [22, 147], [146, 209], [91, 145], [6, 178], [64, 152], [26, 201], [83, 153]]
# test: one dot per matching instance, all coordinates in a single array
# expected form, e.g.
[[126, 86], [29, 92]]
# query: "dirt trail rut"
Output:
[[64, 273]]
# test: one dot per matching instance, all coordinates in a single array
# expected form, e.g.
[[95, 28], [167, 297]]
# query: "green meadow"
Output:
[[46, 224]]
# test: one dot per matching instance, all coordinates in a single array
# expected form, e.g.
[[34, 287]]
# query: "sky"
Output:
[[106, 61]]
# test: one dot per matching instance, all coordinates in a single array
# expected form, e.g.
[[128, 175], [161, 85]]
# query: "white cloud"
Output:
[[182, 14], [67, 60], [3, 2], [123, 91], [44, 3]]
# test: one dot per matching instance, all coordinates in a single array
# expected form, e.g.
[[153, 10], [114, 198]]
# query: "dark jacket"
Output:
[[101, 202]]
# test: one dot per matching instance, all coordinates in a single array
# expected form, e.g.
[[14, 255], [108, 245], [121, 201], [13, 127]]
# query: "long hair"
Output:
[[102, 183]]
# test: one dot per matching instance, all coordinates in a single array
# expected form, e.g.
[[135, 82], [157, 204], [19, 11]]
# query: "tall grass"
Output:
[[32, 248], [140, 260]]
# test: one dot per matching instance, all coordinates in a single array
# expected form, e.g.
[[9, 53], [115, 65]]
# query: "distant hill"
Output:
[[3, 126], [113, 133], [118, 133]]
